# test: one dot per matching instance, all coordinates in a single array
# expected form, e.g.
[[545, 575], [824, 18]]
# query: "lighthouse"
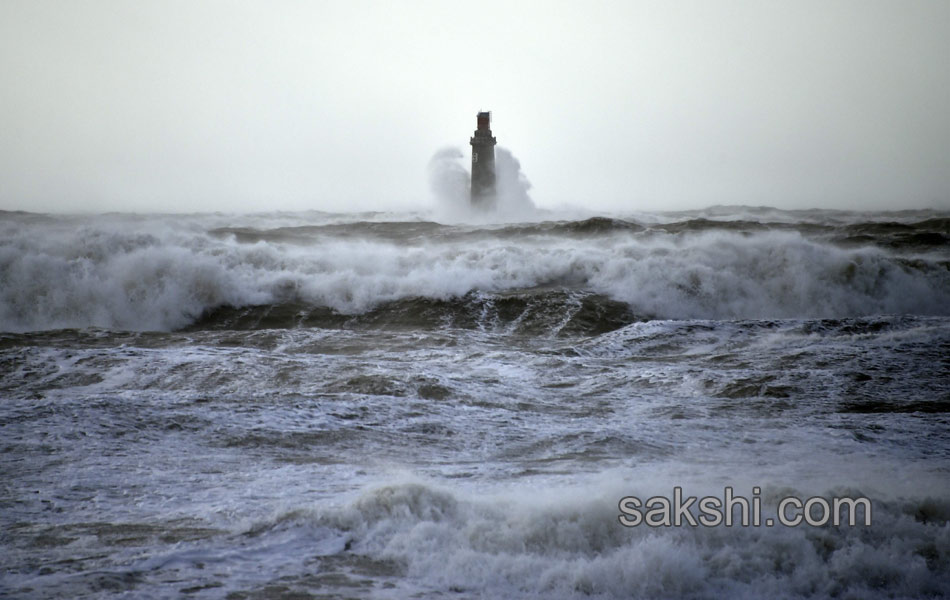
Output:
[[483, 163]]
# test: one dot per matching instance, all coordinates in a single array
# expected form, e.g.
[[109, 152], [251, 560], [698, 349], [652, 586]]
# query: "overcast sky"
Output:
[[201, 106]]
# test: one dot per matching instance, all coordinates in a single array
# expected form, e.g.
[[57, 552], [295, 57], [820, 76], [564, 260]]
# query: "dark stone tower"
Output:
[[483, 163]]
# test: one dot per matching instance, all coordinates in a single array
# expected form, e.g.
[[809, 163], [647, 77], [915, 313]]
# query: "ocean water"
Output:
[[393, 405]]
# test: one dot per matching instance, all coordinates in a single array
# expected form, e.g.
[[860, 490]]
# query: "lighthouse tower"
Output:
[[483, 163]]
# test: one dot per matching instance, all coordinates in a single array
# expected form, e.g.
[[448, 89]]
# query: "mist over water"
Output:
[[452, 403], [450, 184], [449, 180], [513, 185]]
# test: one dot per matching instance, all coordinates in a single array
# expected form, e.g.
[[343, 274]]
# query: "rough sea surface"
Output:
[[384, 405]]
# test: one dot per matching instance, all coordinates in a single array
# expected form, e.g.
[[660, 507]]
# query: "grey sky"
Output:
[[194, 106]]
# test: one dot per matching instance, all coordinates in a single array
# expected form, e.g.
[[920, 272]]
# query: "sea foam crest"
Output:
[[143, 275], [570, 544]]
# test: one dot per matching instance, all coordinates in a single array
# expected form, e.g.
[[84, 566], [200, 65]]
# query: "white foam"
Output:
[[567, 542], [142, 274]]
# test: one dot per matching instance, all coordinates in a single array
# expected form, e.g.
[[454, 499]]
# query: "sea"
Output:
[[408, 405]]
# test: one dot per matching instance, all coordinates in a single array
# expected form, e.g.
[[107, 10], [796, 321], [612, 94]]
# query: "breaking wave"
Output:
[[526, 312], [141, 273], [569, 545], [449, 182]]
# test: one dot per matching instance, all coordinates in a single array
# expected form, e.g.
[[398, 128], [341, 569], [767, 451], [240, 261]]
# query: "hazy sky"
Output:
[[201, 106]]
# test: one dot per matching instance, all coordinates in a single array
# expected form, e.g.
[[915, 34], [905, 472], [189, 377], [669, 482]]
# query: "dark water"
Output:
[[382, 405]]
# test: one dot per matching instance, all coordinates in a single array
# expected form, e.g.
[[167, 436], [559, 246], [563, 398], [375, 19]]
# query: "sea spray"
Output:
[[513, 186], [450, 180]]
